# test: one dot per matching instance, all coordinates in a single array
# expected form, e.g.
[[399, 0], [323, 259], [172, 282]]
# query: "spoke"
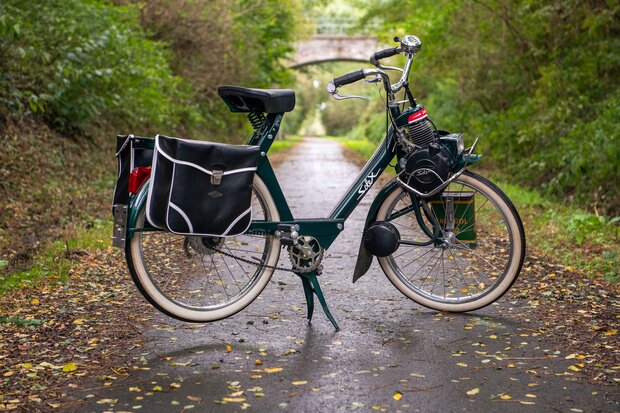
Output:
[[231, 273], [478, 255], [460, 272], [207, 283], [220, 277], [237, 261], [431, 270], [420, 267], [419, 256]]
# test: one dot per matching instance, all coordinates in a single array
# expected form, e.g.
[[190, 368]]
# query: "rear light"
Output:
[[137, 177]]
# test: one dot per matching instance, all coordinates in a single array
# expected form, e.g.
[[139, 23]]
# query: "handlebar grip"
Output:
[[382, 54], [349, 78]]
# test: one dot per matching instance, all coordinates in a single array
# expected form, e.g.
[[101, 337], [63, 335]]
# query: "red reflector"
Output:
[[137, 177], [421, 114]]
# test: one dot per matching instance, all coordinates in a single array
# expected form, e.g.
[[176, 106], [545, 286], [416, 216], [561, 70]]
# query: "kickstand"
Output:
[[312, 287]]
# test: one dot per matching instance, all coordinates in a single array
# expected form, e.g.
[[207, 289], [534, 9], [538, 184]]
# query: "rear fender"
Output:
[[364, 258], [136, 202]]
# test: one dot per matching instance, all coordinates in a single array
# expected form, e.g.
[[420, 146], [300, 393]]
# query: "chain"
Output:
[[311, 268]]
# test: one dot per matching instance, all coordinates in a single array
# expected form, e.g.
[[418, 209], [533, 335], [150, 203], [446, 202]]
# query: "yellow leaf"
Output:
[[255, 376], [573, 368], [300, 382], [258, 362], [234, 399], [571, 356], [8, 374], [228, 348], [473, 391], [467, 327], [461, 364], [511, 365], [69, 367], [35, 301], [79, 321], [273, 370], [493, 336], [611, 332], [175, 385], [505, 397], [27, 365], [397, 396], [157, 388]]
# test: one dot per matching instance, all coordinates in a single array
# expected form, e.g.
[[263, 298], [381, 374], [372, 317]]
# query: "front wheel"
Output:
[[478, 252], [186, 277]]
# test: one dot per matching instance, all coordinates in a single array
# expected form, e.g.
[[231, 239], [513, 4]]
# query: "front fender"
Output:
[[364, 258]]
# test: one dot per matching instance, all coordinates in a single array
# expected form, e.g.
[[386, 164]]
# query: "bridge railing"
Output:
[[334, 25]]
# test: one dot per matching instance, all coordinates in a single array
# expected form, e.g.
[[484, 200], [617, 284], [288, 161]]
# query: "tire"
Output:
[[461, 274], [186, 280]]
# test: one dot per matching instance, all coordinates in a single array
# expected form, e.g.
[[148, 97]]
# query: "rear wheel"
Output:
[[185, 278], [475, 260]]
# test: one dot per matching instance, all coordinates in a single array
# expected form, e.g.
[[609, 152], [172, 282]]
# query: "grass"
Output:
[[567, 233], [578, 239], [55, 261], [280, 144]]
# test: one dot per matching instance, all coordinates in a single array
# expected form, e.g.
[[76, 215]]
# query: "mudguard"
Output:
[[135, 205], [364, 258]]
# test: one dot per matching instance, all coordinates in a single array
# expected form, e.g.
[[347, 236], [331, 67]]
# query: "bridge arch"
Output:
[[328, 48]]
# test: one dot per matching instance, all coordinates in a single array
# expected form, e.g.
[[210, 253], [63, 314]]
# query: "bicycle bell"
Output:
[[410, 44]]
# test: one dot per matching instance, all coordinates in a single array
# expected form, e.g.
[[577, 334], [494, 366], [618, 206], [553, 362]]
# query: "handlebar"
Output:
[[374, 59], [349, 78], [410, 45]]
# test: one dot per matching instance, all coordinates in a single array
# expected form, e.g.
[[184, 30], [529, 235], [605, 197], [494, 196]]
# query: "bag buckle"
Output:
[[216, 178]]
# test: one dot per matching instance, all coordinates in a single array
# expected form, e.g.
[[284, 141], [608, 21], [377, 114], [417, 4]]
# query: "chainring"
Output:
[[306, 255]]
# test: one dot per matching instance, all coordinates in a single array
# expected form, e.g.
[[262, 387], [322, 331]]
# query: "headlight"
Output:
[[456, 143]]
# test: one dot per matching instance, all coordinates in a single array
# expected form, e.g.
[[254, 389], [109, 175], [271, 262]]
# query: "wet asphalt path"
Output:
[[391, 355]]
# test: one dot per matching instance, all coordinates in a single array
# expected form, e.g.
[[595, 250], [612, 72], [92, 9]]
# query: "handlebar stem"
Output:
[[403, 79]]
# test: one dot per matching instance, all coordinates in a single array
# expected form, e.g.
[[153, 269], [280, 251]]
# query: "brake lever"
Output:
[[333, 91], [336, 96]]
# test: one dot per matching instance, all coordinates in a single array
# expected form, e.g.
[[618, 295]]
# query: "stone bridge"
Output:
[[329, 47]]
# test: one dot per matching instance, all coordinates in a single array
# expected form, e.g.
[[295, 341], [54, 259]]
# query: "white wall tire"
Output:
[[502, 282], [145, 273]]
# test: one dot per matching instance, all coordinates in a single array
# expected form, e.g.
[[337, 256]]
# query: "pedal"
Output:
[[119, 230]]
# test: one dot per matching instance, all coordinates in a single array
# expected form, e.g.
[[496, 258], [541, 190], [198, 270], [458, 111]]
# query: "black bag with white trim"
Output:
[[201, 188]]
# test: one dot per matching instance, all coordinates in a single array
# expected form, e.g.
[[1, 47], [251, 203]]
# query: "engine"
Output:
[[430, 158], [428, 167]]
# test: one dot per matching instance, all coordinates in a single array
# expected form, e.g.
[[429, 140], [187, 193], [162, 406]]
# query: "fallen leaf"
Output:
[[69, 367], [397, 396], [473, 391], [273, 370], [300, 382], [234, 399], [228, 348]]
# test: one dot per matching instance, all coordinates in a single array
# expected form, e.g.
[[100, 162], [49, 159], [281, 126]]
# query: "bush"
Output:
[[73, 63]]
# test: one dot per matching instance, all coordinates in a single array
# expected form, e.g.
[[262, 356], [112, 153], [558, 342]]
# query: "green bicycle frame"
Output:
[[325, 230]]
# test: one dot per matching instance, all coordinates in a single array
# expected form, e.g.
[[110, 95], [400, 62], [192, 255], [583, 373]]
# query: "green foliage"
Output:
[[536, 81], [75, 63]]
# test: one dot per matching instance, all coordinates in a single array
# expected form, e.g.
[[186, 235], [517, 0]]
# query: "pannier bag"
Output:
[[201, 188], [131, 152]]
